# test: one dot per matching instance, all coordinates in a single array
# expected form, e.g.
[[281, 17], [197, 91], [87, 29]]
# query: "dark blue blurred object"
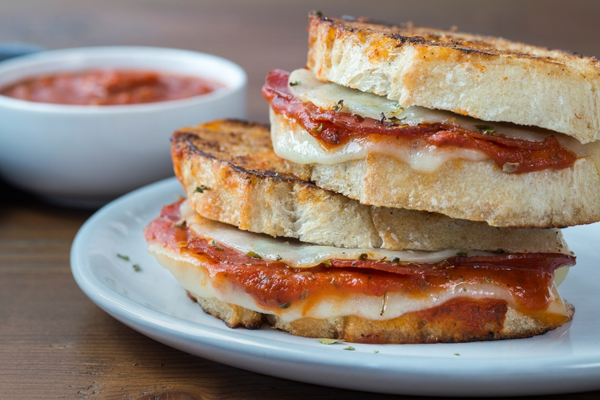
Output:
[[10, 50]]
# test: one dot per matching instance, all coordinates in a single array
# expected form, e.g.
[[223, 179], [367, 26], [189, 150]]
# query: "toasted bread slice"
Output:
[[231, 174], [487, 78], [464, 189], [497, 321], [408, 329]]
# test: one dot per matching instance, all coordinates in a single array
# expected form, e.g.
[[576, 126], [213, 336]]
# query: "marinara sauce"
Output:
[[106, 87], [272, 284]]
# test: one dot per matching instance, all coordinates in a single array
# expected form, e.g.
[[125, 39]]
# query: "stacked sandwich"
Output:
[[409, 190]]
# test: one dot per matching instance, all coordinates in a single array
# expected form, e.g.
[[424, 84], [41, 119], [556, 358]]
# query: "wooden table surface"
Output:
[[54, 342]]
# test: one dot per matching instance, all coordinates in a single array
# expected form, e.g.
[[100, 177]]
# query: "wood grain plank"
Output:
[[60, 343]]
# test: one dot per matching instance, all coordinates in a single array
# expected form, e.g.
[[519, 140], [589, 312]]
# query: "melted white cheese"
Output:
[[299, 146], [186, 269], [295, 144], [295, 253], [326, 95]]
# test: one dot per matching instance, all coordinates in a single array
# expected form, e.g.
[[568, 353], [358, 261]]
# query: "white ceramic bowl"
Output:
[[88, 155]]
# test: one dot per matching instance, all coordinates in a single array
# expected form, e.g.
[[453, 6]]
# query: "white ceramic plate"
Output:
[[151, 301]]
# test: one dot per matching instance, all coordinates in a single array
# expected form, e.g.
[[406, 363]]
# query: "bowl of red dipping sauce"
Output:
[[83, 126]]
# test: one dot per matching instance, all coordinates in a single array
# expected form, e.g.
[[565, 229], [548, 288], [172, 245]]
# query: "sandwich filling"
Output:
[[214, 260], [345, 124]]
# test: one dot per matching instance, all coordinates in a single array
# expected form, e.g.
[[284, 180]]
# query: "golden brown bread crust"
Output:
[[233, 316], [487, 78], [470, 190], [250, 187], [477, 321]]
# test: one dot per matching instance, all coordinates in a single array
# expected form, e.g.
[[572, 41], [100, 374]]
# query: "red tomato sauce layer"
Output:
[[333, 128], [109, 87], [528, 277]]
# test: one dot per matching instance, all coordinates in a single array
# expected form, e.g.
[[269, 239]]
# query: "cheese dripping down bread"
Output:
[[358, 295], [487, 78], [368, 118]]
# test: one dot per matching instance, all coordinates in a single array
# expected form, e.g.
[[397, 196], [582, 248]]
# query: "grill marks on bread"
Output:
[[491, 79], [253, 189]]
